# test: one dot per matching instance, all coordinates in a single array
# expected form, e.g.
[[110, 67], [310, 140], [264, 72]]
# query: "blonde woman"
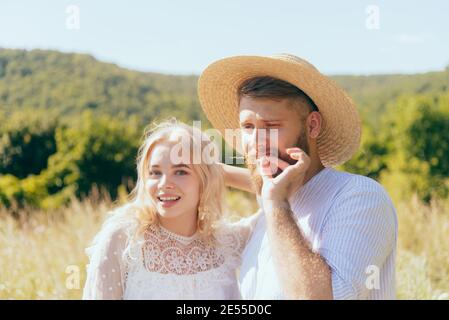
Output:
[[169, 241]]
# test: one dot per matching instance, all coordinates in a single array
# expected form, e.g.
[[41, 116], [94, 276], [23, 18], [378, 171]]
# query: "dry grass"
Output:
[[423, 255], [42, 253]]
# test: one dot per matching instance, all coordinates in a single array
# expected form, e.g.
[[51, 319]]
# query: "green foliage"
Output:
[[102, 150], [27, 139], [72, 123], [407, 152], [374, 94], [90, 152], [73, 83], [10, 190], [370, 160], [418, 132]]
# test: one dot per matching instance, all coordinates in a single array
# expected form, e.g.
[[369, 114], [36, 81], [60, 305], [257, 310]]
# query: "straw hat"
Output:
[[218, 94]]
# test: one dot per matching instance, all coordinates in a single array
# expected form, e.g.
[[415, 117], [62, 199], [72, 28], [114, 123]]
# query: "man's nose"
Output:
[[259, 135], [261, 141]]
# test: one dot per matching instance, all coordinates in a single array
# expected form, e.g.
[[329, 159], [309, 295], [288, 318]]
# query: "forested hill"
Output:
[[373, 93], [70, 83]]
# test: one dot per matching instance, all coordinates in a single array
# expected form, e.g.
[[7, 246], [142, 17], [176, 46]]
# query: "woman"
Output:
[[169, 241]]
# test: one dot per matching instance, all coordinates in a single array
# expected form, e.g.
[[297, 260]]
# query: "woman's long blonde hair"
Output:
[[140, 212]]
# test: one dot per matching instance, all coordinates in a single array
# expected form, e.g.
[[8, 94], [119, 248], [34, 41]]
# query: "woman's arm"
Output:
[[105, 274], [239, 178]]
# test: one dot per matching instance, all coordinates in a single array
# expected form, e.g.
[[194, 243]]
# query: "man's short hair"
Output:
[[272, 88]]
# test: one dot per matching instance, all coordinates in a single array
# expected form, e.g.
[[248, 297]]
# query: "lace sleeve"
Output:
[[106, 271], [244, 228]]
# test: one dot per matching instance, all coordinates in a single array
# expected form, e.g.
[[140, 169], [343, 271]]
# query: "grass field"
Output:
[[42, 253]]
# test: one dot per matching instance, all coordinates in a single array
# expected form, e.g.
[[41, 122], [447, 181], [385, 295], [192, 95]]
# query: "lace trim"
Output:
[[178, 237], [165, 252], [177, 267]]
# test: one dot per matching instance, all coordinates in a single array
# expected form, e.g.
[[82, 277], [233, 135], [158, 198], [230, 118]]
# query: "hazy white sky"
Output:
[[184, 36]]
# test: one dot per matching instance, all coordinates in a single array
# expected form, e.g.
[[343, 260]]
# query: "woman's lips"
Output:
[[168, 201]]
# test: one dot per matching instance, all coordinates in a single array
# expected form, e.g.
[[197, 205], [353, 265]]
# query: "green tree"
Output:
[[418, 128], [371, 158], [27, 140], [90, 152]]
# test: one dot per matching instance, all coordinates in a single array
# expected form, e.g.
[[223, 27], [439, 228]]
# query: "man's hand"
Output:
[[288, 181]]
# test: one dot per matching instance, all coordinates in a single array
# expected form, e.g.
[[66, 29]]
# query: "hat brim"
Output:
[[218, 94]]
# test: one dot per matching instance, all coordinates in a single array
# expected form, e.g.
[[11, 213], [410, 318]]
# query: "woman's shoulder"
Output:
[[236, 233], [242, 224], [114, 233]]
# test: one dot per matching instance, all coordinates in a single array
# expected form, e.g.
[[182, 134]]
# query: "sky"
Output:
[[183, 37]]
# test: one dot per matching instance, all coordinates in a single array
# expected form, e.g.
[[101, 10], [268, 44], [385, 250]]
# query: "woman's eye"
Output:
[[181, 172], [248, 126], [154, 173]]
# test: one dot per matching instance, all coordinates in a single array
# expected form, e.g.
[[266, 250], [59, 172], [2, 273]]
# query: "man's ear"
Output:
[[314, 122]]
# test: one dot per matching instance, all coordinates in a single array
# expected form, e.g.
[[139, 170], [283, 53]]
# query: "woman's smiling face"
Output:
[[174, 188]]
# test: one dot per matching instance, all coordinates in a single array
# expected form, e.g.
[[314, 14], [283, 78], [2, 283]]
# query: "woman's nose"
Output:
[[165, 183]]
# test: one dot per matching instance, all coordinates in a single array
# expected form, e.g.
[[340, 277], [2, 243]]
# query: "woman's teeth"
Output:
[[168, 198]]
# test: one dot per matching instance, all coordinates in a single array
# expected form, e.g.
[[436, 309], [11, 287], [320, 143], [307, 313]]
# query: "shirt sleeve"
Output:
[[106, 271], [359, 233]]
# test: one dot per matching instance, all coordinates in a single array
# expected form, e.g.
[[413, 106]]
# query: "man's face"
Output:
[[257, 117]]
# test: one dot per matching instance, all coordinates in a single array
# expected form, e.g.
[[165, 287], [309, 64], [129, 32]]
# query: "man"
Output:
[[323, 234]]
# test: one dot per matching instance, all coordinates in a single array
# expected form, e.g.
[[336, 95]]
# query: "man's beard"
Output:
[[256, 178]]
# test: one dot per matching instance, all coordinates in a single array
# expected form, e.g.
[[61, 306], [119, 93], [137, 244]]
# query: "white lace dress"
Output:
[[164, 265]]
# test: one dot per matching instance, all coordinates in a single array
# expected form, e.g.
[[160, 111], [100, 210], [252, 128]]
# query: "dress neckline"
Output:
[[181, 238]]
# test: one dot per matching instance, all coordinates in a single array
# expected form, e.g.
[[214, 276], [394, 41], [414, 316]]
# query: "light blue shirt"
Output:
[[350, 221]]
